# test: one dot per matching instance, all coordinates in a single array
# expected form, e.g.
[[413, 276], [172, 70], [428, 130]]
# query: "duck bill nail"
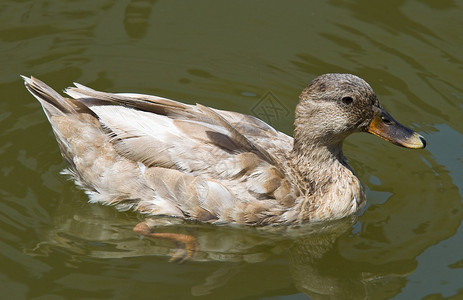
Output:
[[385, 127]]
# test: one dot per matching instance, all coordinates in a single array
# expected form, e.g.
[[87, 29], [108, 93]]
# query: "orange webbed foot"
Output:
[[187, 245]]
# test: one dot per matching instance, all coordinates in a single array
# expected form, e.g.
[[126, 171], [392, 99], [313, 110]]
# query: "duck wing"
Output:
[[143, 127]]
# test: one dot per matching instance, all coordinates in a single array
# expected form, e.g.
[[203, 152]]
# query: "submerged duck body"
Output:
[[163, 157]]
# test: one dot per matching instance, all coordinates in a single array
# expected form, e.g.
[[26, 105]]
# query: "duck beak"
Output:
[[385, 127]]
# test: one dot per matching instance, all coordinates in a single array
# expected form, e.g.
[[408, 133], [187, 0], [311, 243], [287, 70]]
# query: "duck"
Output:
[[162, 157]]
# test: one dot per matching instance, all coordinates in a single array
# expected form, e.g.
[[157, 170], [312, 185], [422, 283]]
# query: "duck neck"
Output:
[[331, 190], [317, 165]]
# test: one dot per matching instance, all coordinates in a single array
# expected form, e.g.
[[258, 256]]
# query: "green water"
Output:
[[229, 54]]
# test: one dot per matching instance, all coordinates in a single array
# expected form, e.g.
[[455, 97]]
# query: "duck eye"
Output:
[[347, 100]]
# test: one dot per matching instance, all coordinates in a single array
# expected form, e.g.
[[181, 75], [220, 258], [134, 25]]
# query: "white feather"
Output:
[[122, 121]]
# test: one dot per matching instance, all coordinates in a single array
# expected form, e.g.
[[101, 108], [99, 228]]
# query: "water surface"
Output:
[[407, 245]]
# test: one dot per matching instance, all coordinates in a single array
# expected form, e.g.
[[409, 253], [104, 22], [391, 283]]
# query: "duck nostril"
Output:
[[386, 120]]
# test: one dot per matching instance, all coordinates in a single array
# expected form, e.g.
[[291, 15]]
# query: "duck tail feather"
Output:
[[52, 102]]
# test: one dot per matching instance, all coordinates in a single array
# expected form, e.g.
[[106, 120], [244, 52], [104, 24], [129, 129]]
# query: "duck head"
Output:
[[334, 106]]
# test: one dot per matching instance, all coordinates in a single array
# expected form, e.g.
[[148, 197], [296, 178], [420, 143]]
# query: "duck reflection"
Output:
[[308, 253]]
